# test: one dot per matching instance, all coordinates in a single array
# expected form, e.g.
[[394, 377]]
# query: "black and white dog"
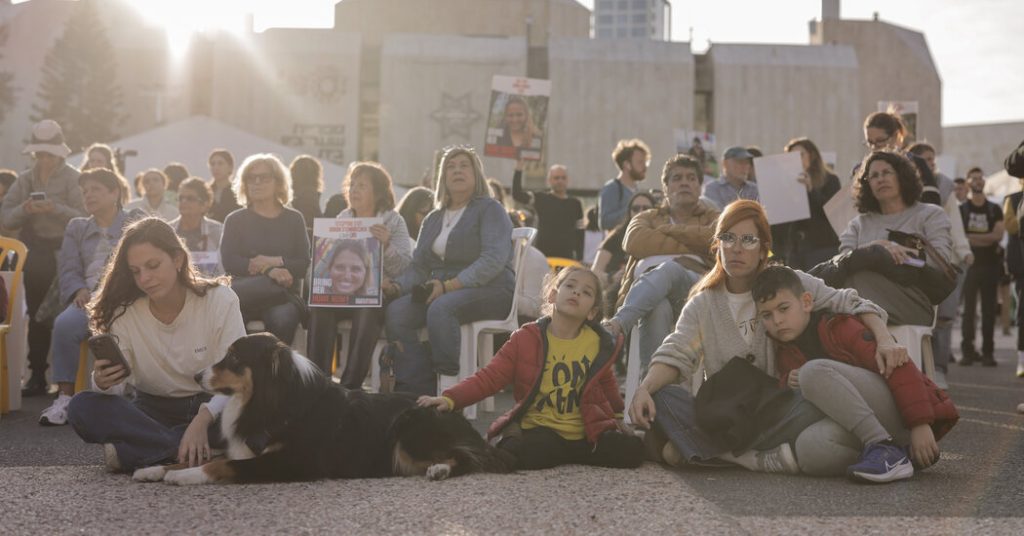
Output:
[[313, 428]]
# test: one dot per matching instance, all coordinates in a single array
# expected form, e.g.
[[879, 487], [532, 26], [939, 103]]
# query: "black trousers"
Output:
[[367, 324], [40, 271], [543, 448], [982, 278]]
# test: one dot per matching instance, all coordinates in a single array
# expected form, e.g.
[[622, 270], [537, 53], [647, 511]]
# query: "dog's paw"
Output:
[[187, 477], [438, 471], [149, 474]]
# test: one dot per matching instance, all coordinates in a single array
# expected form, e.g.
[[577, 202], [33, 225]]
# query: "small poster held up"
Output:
[[347, 263], [907, 110], [698, 144], [519, 110], [783, 196]]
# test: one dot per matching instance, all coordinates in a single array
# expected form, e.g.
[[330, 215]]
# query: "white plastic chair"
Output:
[[918, 341], [478, 337], [633, 350]]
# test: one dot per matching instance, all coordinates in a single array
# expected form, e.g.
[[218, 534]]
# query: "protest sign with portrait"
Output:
[[519, 109], [347, 267]]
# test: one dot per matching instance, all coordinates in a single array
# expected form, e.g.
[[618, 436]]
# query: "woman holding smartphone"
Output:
[[169, 323]]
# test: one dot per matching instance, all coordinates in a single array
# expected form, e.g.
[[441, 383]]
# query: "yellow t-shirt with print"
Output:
[[557, 404]]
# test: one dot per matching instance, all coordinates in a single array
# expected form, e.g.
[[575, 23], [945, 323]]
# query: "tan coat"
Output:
[[652, 233]]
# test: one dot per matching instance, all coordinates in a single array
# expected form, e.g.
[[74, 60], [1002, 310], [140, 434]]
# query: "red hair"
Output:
[[733, 214]]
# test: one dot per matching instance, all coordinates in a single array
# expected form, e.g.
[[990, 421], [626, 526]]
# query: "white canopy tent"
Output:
[[190, 141]]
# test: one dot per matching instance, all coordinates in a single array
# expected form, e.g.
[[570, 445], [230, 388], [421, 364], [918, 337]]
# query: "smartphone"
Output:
[[420, 293], [38, 196], [104, 346]]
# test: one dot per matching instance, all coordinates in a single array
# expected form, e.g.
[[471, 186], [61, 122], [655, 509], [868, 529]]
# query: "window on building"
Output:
[[639, 32], [605, 33], [640, 18], [605, 19], [622, 18], [606, 4], [640, 4], [623, 4], [622, 32]]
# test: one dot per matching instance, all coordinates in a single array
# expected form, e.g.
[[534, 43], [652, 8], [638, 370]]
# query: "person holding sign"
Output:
[[812, 241], [88, 243], [462, 270], [516, 123], [367, 187], [201, 234]]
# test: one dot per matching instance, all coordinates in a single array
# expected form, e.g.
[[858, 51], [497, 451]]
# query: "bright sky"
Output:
[[977, 44]]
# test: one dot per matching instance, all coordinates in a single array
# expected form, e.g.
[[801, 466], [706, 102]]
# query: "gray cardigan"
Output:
[[706, 337]]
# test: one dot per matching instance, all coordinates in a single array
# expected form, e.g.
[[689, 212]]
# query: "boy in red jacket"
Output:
[[802, 335]]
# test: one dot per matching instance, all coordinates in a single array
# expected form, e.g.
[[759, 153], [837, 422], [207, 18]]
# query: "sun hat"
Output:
[[47, 137]]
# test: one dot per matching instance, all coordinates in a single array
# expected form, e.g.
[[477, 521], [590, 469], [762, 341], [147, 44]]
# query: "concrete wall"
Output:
[[606, 90], [435, 92], [985, 146], [299, 88], [895, 65], [765, 95]]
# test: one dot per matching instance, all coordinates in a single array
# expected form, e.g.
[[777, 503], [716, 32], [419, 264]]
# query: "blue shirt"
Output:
[[721, 193]]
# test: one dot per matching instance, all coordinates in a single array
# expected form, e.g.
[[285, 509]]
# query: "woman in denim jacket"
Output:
[[462, 265], [88, 243]]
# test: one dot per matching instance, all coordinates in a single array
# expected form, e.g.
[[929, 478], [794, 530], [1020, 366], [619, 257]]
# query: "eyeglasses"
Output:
[[189, 198], [875, 144], [748, 241], [637, 209], [259, 178]]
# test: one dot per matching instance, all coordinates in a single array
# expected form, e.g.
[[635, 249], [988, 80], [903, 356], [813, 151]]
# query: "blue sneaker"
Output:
[[880, 463]]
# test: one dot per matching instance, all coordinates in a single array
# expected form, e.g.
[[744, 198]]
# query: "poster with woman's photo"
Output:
[[519, 109], [347, 267]]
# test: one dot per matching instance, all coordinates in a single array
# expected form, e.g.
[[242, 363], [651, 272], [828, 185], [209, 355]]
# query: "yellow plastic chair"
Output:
[[82, 378], [7, 245], [557, 263]]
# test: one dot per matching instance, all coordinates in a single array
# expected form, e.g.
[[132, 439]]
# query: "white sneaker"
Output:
[[940, 380], [671, 455], [1020, 369], [778, 460], [57, 413]]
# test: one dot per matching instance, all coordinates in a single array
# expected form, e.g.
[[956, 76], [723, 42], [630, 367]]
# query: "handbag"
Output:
[[257, 292], [936, 282]]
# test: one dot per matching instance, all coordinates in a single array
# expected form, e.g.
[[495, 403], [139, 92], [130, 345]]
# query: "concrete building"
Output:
[[985, 146], [635, 19]]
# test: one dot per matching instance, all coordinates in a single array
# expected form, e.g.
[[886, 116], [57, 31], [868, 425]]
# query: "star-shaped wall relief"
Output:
[[456, 116]]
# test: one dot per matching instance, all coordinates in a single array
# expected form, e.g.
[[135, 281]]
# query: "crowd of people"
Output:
[[731, 313]]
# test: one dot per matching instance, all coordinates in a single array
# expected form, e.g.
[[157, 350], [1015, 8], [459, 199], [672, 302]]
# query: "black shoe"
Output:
[[988, 361], [969, 356], [35, 386]]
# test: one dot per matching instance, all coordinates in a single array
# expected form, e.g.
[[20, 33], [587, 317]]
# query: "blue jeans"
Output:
[[654, 300], [145, 431], [416, 367], [69, 330], [281, 320]]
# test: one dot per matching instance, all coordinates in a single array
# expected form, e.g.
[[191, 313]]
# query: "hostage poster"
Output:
[[519, 109], [347, 265]]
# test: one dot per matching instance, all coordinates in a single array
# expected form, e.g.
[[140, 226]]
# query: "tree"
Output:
[[79, 86], [6, 79]]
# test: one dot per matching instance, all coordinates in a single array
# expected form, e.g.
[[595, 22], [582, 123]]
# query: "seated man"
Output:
[[683, 227], [895, 416]]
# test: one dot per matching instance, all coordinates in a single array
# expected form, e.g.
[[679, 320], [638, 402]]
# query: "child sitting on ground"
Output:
[[567, 402], [903, 398]]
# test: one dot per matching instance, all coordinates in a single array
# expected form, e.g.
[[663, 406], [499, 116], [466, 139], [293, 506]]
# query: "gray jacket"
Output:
[[62, 189]]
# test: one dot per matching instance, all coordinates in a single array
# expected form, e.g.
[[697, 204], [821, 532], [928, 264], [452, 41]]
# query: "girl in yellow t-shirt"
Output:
[[568, 408]]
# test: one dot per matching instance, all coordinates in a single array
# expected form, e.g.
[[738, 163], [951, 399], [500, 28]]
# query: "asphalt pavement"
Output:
[[51, 482]]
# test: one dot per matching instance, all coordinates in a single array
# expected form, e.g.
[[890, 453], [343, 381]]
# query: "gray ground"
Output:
[[53, 483]]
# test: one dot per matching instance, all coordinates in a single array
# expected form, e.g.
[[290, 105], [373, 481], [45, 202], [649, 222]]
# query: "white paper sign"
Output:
[[840, 210], [784, 198]]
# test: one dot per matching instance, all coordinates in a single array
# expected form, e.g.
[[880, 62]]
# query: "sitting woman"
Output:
[[368, 188], [414, 207], [169, 323], [154, 202], [461, 271], [200, 233], [719, 322], [88, 243], [874, 255], [265, 247]]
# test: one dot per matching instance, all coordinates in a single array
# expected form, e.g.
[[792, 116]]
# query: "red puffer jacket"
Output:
[[521, 363], [846, 339]]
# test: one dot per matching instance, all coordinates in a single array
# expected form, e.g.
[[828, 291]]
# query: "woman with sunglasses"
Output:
[[200, 233], [719, 322], [610, 262], [265, 247]]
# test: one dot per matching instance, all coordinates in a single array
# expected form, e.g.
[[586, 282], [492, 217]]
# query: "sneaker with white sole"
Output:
[[1020, 369], [880, 463], [777, 460], [57, 413]]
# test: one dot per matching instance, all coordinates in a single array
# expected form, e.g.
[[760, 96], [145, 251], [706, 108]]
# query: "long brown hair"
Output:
[[816, 169], [734, 213], [118, 291]]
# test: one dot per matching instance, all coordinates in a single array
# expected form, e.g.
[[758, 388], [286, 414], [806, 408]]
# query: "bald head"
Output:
[[558, 179]]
